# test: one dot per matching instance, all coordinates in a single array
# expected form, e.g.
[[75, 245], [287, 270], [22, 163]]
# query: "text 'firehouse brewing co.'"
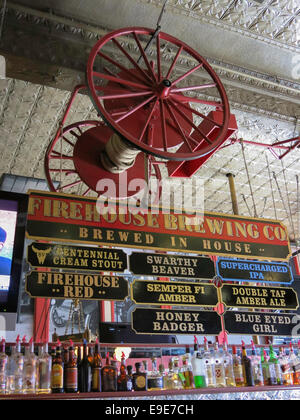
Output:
[[68, 218]]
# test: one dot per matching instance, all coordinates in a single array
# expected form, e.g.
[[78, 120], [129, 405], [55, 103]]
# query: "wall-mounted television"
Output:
[[13, 214]]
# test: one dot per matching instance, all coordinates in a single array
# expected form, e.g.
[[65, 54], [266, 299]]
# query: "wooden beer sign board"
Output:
[[67, 218], [262, 323], [166, 322], [174, 293], [259, 297], [76, 257], [75, 286], [245, 270], [177, 266]]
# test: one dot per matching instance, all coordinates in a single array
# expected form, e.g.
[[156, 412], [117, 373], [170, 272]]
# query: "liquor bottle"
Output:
[[209, 366], [109, 376], [139, 378], [237, 368], [85, 371], [187, 372], [15, 369], [161, 369], [274, 360], [30, 369], [57, 372], [3, 367], [44, 367], [228, 366], [96, 368], [219, 367], [295, 365], [198, 365], [71, 371], [91, 354], [256, 367], [130, 378], [287, 374], [154, 378], [267, 369], [247, 367], [123, 380], [171, 379], [65, 357]]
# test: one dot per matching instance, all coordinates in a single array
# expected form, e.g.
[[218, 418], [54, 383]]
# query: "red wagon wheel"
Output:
[[151, 97]]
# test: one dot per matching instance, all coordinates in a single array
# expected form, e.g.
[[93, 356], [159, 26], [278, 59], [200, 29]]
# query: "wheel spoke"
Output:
[[144, 56], [194, 111], [173, 116], [68, 141], [136, 108], [186, 99], [148, 120], [119, 80], [72, 184], [133, 62], [188, 73], [57, 155], [122, 68], [163, 124], [174, 62], [186, 89], [126, 95], [174, 105]]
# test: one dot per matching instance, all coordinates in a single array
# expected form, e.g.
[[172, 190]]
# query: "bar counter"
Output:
[[291, 392]]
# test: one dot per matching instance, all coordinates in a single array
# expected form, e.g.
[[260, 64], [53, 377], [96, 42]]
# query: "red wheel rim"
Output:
[[130, 96], [60, 170]]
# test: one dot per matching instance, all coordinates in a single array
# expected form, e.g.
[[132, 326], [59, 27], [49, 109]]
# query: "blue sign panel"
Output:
[[256, 271]]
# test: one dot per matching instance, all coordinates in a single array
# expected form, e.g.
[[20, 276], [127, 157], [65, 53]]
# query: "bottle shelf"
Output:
[[143, 394]]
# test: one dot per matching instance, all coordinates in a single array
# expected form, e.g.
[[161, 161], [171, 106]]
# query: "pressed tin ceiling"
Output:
[[46, 44]]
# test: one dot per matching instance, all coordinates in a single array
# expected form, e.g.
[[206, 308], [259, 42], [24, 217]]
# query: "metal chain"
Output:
[[271, 185], [248, 176]]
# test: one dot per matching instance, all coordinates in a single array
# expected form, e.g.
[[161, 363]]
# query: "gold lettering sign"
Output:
[[76, 286], [259, 297]]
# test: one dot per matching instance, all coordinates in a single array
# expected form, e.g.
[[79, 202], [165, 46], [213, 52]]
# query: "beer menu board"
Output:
[[67, 218]]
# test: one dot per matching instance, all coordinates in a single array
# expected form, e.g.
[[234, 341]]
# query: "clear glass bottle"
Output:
[[295, 365], [287, 374], [30, 369], [228, 366], [199, 371], [15, 369], [219, 366], [237, 367], [257, 372], [187, 371], [161, 369], [209, 366], [44, 367], [154, 379], [3, 367], [171, 379]]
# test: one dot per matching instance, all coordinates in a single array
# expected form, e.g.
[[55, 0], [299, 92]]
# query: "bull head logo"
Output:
[[41, 254]]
